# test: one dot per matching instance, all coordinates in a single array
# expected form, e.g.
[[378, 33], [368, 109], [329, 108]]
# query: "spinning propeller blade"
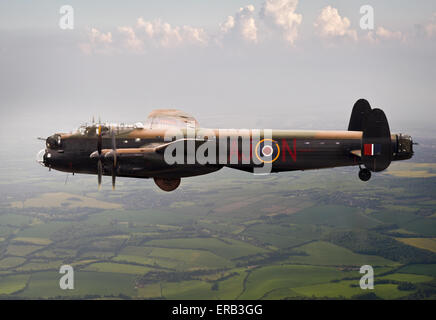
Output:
[[114, 165], [99, 164]]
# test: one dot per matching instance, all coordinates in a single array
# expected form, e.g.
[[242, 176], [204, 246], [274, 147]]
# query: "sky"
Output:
[[281, 64]]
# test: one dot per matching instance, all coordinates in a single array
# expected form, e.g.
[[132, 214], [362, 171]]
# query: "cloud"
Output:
[[98, 42], [387, 34], [330, 24], [144, 34], [430, 28], [424, 30], [228, 25], [278, 15], [281, 13], [384, 34], [242, 24], [162, 34], [194, 35], [132, 42], [100, 37]]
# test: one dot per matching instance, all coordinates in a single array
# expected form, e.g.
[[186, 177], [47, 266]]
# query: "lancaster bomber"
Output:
[[171, 145]]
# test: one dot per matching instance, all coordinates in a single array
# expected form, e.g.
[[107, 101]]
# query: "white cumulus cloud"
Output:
[[430, 28], [98, 42], [382, 34], [388, 34], [132, 42], [330, 24], [162, 34], [228, 25], [282, 14], [242, 23]]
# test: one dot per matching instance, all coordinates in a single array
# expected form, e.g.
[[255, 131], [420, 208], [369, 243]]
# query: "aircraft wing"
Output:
[[151, 150], [161, 148], [126, 152]]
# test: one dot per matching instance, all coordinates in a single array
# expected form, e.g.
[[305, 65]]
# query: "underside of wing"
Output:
[[170, 118]]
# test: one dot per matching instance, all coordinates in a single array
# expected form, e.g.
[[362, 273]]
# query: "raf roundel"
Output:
[[267, 151]]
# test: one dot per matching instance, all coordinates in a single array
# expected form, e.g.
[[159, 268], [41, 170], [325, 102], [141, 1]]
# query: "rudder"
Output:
[[360, 110]]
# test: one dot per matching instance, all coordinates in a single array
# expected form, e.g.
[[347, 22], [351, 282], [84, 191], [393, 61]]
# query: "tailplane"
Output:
[[376, 148], [376, 141]]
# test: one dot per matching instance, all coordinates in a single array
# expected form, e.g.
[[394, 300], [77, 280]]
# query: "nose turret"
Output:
[[53, 146], [40, 157]]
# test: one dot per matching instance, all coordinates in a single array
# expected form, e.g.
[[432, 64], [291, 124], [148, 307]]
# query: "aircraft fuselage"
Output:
[[298, 150]]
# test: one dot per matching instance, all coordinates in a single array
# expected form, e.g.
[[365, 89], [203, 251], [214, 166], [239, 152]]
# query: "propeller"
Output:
[[111, 154], [99, 164]]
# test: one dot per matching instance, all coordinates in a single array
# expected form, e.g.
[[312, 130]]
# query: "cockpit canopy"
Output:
[[170, 118], [157, 119], [92, 130]]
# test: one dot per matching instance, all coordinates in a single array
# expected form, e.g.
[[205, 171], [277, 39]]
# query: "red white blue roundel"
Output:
[[267, 150]]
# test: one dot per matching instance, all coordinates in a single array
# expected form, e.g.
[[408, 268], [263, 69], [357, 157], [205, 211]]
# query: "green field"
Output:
[[42, 230], [22, 251], [344, 290], [325, 253], [37, 265], [14, 219], [46, 285], [188, 290], [424, 269], [334, 216], [186, 259], [12, 284], [302, 235], [423, 243], [150, 291], [226, 248], [263, 280], [284, 236], [10, 262], [413, 278], [116, 268]]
